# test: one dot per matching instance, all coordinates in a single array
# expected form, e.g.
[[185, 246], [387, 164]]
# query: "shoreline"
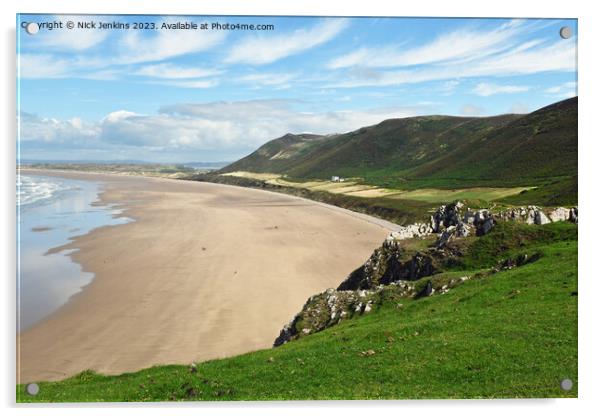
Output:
[[388, 225], [55, 212], [216, 288]]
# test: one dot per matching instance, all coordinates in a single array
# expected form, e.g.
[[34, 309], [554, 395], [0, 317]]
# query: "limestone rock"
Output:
[[411, 231], [560, 214], [445, 216], [455, 231], [541, 218], [483, 221]]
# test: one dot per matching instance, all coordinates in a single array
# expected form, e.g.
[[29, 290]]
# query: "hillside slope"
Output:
[[440, 151], [280, 155], [536, 147]]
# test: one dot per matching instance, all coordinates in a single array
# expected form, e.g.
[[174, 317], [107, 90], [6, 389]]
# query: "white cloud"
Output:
[[51, 130], [265, 79], [42, 66], [75, 39], [167, 70], [452, 56], [139, 47], [193, 128], [485, 89], [566, 90], [558, 57], [193, 83], [46, 66], [458, 45], [449, 87], [260, 50], [102, 75], [133, 47]]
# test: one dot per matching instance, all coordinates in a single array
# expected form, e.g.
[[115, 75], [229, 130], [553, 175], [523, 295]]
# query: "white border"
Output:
[[590, 36]]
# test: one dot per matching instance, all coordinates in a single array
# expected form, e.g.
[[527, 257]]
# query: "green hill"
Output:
[[436, 151], [509, 334], [279, 155], [531, 149]]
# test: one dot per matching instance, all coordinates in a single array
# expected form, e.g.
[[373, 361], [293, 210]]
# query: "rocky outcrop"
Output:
[[482, 220], [451, 221], [560, 214], [332, 306], [390, 263], [411, 231], [517, 261], [538, 216], [445, 216], [393, 272], [563, 214], [452, 232], [326, 309]]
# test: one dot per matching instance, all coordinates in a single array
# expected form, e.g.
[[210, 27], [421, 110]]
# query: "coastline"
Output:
[[51, 214], [205, 271]]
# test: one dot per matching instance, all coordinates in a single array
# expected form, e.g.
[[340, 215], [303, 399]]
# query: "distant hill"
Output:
[[434, 151], [280, 155]]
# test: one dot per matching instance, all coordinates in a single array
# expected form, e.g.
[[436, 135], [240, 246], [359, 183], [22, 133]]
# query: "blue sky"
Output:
[[216, 95]]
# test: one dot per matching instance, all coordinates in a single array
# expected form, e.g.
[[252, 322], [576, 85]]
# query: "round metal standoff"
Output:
[[565, 32], [32, 389], [566, 384], [32, 28]]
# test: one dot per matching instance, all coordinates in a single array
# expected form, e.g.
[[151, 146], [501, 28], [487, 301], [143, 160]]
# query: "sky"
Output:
[[207, 95]]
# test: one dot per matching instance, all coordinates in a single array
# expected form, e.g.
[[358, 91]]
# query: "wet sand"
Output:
[[205, 271]]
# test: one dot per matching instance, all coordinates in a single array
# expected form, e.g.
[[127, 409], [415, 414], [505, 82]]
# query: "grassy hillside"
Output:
[[537, 147], [509, 334], [555, 193], [446, 152], [397, 144], [281, 154]]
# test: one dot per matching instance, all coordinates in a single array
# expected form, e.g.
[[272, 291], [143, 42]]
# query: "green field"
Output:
[[508, 334], [449, 195], [354, 189]]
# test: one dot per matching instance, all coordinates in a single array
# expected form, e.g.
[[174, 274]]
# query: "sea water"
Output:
[[51, 211]]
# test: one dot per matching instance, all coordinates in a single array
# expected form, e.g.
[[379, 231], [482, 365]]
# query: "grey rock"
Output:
[[573, 215], [445, 216], [452, 232], [487, 226], [541, 218]]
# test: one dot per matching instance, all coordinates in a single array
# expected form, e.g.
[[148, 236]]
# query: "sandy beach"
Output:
[[205, 271]]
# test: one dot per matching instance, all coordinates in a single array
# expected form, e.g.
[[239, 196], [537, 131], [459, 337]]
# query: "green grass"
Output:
[[505, 335], [449, 195], [509, 239], [558, 192]]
